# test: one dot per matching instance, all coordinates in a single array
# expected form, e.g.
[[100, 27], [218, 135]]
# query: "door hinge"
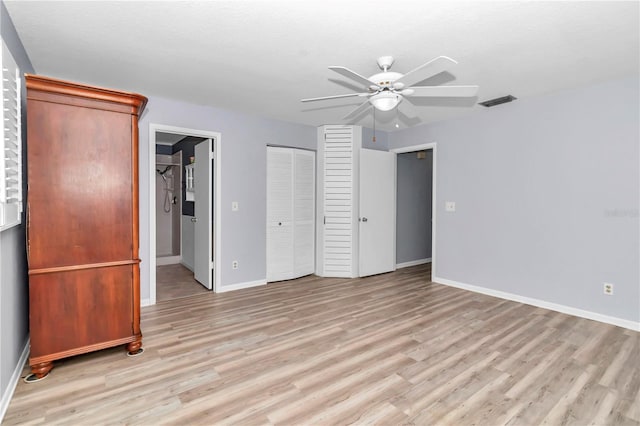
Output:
[[212, 155]]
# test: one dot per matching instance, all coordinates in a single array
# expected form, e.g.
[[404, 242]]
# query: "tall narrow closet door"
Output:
[[279, 214], [304, 212], [339, 243]]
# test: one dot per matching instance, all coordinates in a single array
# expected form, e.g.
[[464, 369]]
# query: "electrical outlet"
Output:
[[234, 264], [450, 206], [608, 289]]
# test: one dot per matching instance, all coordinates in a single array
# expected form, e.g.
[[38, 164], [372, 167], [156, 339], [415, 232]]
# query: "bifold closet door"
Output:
[[279, 214], [304, 212], [290, 213]]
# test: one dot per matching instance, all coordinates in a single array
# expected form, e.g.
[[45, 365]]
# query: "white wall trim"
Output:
[[412, 263], [13, 382], [413, 148], [631, 325], [168, 260], [145, 302], [216, 138], [239, 286], [434, 199]]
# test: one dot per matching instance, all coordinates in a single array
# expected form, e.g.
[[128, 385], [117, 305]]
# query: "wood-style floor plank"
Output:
[[389, 349]]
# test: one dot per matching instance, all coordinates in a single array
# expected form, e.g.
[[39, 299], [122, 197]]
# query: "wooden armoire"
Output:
[[82, 220]]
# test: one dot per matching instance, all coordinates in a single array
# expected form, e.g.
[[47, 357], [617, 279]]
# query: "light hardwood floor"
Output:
[[176, 281], [389, 349]]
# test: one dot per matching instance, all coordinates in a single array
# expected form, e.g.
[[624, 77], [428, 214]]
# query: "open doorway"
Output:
[[186, 184], [175, 217], [415, 195]]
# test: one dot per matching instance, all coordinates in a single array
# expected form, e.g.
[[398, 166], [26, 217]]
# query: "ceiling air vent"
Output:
[[498, 101]]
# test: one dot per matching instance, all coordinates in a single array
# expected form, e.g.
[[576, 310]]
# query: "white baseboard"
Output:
[[631, 325], [240, 286], [168, 260], [13, 382], [412, 263], [189, 267], [145, 302]]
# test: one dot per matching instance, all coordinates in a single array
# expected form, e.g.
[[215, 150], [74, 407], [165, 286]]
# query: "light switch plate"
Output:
[[450, 206], [234, 206]]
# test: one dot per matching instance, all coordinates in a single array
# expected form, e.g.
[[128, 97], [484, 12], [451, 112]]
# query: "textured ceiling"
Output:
[[262, 57]]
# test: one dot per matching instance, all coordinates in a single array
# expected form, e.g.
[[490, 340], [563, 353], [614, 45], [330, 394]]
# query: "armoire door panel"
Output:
[[79, 308], [89, 189]]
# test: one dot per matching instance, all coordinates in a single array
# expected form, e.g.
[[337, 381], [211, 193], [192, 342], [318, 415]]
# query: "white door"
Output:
[[279, 214], [304, 208], [377, 212], [203, 255], [338, 148]]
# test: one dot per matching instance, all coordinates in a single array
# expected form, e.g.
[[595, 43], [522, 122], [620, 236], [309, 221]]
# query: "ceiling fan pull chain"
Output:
[[374, 124]]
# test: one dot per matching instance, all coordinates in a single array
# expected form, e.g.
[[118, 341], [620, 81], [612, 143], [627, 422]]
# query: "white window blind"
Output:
[[10, 143]]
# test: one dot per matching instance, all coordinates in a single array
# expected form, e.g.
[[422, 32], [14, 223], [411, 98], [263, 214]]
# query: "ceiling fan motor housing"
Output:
[[385, 62], [385, 79]]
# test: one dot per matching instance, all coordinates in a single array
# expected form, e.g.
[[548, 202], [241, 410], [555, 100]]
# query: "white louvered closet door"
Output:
[[279, 214], [304, 215], [290, 213], [339, 249]]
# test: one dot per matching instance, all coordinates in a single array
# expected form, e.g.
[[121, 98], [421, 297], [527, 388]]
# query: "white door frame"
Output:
[[215, 137], [421, 147]]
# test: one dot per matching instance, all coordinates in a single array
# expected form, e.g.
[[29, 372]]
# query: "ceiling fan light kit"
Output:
[[387, 89], [385, 101]]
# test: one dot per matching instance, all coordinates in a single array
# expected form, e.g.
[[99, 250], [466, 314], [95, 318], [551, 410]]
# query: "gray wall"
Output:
[[382, 139], [547, 197], [413, 207], [243, 152], [14, 317]]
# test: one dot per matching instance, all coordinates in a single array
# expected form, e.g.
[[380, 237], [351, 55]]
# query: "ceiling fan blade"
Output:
[[363, 106], [407, 109], [354, 76], [350, 95], [442, 91], [424, 71]]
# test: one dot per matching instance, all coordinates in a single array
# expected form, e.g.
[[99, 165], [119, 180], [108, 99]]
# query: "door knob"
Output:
[[364, 219], [279, 223], [194, 219]]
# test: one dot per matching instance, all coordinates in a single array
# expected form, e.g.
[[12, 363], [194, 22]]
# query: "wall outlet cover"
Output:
[[450, 206]]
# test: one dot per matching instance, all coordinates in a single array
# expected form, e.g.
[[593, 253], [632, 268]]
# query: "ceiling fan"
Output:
[[387, 89]]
